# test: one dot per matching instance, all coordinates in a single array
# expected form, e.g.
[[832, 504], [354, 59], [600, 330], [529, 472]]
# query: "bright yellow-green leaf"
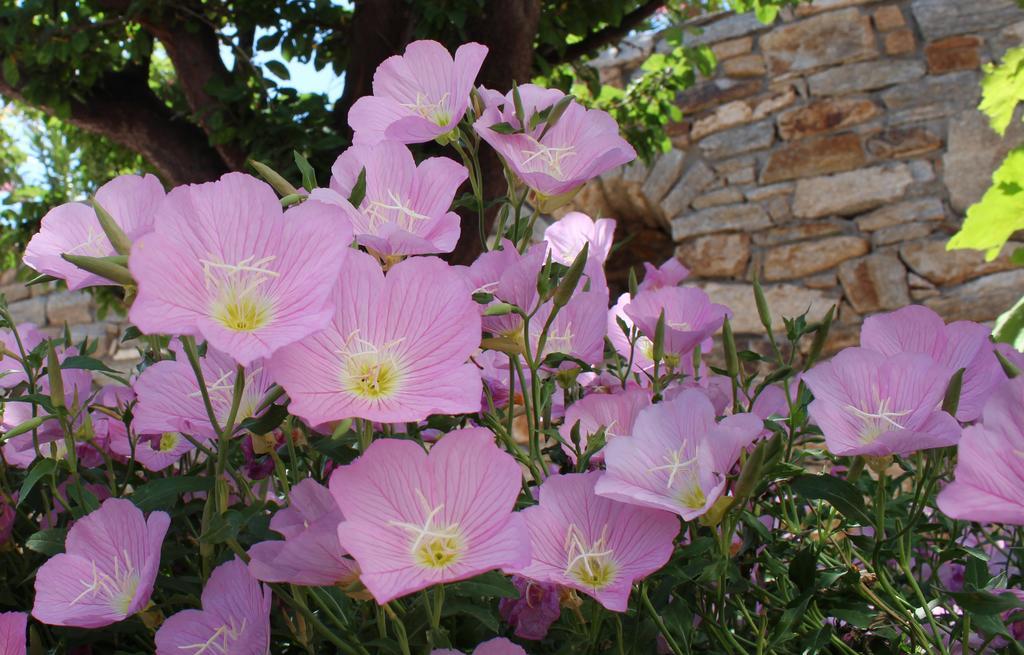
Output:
[[991, 221], [1002, 88]]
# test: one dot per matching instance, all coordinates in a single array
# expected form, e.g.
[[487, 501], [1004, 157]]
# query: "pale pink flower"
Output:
[[225, 263], [690, 317], [669, 274], [74, 229], [405, 209], [310, 553], [577, 330], [107, 571], [11, 371], [642, 350], [396, 349], [615, 412], [963, 344], [593, 544], [418, 96], [496, 646], [13, 626], [235, 617], [511, 278], [566, 237], [155, 452], [169, 400], [19, 451], [678, 457], [989, 478], [583, 143], [414, 520], [867, 403], [538, 606]]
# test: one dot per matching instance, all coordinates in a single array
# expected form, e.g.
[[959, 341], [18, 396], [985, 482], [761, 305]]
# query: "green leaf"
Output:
[[1002, 88], [11, 73], [358, 190], [163, 493], [839, 493], [1009, 326], [503, 128], [308, 174], [766, 13], [991, 221], [278, 69], [87, 364], [39, 470], [488, 585], [983, 602], [482, 613], [48, 542], [26, 426]]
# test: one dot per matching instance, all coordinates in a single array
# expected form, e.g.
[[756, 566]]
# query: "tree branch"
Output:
[[123, 108], [611, 34]]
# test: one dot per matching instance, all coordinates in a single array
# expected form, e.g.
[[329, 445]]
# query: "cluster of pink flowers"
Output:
[[338, 310]]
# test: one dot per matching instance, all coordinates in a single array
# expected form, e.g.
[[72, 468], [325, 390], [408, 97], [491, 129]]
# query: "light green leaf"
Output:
[[991, 221], [1002, 88], [1009, 327]]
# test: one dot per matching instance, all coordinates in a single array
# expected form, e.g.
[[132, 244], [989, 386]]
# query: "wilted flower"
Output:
[[538, 606], [404, 209], [414, 520], [310, 553], [989, 482], [593, 544], [225, 263], [235, 617], [170, 400], [678, 457], [13, 626], [418, 96], [396, 349], [107, 571], [963, 344], [867, 403], [74, 229], [614, 412], [556, 160]]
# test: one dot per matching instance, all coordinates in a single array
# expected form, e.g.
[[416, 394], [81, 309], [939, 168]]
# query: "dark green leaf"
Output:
[[839, 493], [278, 69], [47, 542], [39, 470], [985, 603], [358, 190], [163, 493]]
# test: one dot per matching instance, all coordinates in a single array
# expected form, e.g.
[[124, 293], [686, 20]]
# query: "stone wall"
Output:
[[833, 154]]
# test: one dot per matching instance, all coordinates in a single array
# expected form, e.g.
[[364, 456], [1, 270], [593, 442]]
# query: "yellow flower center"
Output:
[[592, 565], [369, 371], [433, 545], [240, 302], [168, 440]]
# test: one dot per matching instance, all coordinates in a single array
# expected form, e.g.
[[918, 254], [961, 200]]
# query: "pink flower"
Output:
[[74, 229], [395, 351], [669, 274], [19, 451], [989, 482], [11, 371], [107, 571], [867, 403], [963, 344], [512, 278], [226, 264], [170, 400], [690, 317], [538, 606], [405, 209], [414, 520], [615, 412], [593, 544], [419, 96], [496, 646], [13, 626], [154, 452], [583, 143], [577, 330], [678, 457], [642, 351], [310, 553], [566, 237], [235, 617]]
